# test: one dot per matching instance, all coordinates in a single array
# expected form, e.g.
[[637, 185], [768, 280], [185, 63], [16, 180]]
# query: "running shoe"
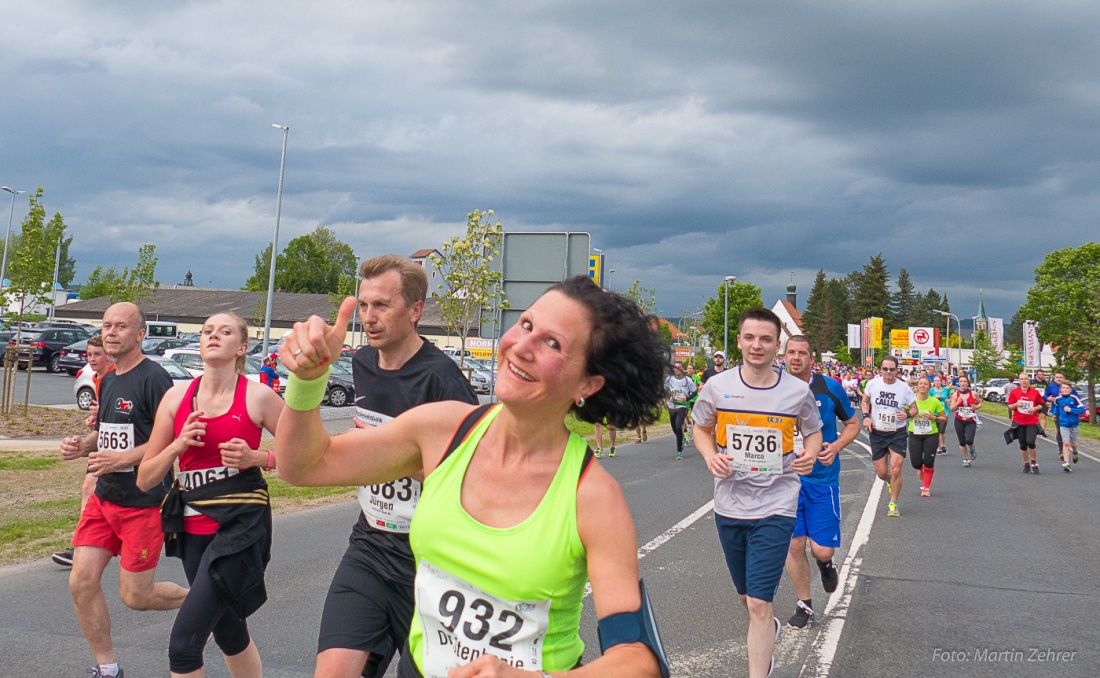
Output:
[[925, 492], [1074, 457], [611, 453], [599, 452], [892, 510], [1035, 469], [803, 616], [966, 463], [1066, 468], [96, 673], [63, 558], [1027, 467], [942, 450], [680, 456], [829, 576], [645, 436]]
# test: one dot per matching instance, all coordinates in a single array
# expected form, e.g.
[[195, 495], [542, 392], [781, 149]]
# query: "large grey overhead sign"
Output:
[[533, 262]]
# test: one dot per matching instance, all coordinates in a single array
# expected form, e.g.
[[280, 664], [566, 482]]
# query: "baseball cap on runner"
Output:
[[720, 353]]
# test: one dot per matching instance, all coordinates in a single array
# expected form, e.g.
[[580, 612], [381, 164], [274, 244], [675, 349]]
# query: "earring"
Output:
[[579, 403]]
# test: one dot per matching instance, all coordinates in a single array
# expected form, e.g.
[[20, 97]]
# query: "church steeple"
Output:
[[981, 322]]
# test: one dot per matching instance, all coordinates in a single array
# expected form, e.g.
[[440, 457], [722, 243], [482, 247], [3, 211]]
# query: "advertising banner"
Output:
[[923, 338], [1032, 346], [854, 337], [876, 332], [997, 333], [899, 338]]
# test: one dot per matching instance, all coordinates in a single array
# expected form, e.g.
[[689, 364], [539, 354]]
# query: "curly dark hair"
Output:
[[626, 350]]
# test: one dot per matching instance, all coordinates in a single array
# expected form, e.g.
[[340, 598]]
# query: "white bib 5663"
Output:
[[755, 449], [389, 506], [116, 438], [461, 622]]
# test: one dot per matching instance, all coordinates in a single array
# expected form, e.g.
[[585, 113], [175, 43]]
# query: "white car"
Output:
[[191, 361], [84, 387]]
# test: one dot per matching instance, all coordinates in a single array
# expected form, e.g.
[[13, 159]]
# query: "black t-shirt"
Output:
[[428, 377], [708, 373], [127, 407]]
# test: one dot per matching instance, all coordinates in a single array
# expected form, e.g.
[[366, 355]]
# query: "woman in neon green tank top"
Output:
[[512, 521]]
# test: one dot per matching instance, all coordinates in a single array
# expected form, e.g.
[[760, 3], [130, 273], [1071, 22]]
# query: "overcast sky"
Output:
[[693, 140]]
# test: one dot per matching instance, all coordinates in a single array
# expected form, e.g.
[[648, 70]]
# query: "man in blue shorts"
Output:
[[819, 498], [746, 419]]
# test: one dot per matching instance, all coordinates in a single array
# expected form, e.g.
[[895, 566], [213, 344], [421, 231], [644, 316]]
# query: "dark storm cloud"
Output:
[[693, 140]]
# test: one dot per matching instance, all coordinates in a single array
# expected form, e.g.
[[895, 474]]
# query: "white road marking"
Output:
[[836, 611], [660, 539]]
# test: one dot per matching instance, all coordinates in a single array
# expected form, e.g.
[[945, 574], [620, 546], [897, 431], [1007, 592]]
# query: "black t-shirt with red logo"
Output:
[[127, 408]]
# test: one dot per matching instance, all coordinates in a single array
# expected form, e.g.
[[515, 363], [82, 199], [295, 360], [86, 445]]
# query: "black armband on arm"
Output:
[[639, 626]]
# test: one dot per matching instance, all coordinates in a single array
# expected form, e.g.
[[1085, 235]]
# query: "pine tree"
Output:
[[870, 295], [901, 303], [813, 316]]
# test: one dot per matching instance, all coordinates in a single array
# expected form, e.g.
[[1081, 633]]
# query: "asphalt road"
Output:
[[982, 579], [46, 388]]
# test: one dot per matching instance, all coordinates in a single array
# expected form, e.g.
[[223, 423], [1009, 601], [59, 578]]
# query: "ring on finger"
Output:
[[297, 353]]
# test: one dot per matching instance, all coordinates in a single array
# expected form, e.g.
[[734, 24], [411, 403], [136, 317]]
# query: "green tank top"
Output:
[[515, 592], [932, 405]]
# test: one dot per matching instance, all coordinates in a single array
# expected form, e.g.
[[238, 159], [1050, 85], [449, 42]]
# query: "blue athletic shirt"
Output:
[[822, 474]]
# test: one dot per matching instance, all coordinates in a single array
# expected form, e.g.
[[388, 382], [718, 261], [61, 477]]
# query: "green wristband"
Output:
[[304, 395]]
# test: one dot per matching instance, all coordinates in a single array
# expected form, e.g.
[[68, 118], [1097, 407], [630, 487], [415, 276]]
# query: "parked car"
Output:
[[47, 345], [480, 379], [73, 357], [994, 390], [340, 391], [84, 386], [191, 360], [158, 345]]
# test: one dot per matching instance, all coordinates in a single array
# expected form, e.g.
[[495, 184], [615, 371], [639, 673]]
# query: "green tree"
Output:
[[1065, 300], [741, 296], [471, 291], [31, 264], [645, 298], [901, 302], [260, 274], [986, 360], [870, 295], [315, 263], [812, 317], [135, 284]]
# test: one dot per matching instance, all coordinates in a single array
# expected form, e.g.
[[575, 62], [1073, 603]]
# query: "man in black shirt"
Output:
[[370, 601], [119, 519], [719, 366]]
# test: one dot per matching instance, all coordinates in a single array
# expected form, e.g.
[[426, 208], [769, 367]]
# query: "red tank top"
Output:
[[966, 400], [233, 424]]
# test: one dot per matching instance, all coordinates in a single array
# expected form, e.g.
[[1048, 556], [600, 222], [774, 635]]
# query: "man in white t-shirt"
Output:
[[746, 419], [888, 403]]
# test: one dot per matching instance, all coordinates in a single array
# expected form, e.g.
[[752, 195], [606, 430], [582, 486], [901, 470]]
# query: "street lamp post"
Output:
[[275, 242], [726, 317], [948, 315], [56, 270], [7, 239]]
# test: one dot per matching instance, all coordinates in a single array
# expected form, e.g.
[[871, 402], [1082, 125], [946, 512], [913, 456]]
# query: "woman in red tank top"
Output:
[[213, 427]]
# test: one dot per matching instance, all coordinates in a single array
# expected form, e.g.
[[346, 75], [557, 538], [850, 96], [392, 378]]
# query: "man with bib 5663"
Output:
[[746, 419]]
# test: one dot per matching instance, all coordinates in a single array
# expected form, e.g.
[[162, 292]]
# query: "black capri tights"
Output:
[[202, 612], [965, 429], [1028, 433], [677, 416], [922, 450]]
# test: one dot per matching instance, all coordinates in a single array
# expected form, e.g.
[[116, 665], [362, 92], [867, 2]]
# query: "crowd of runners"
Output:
[[482, 525]]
